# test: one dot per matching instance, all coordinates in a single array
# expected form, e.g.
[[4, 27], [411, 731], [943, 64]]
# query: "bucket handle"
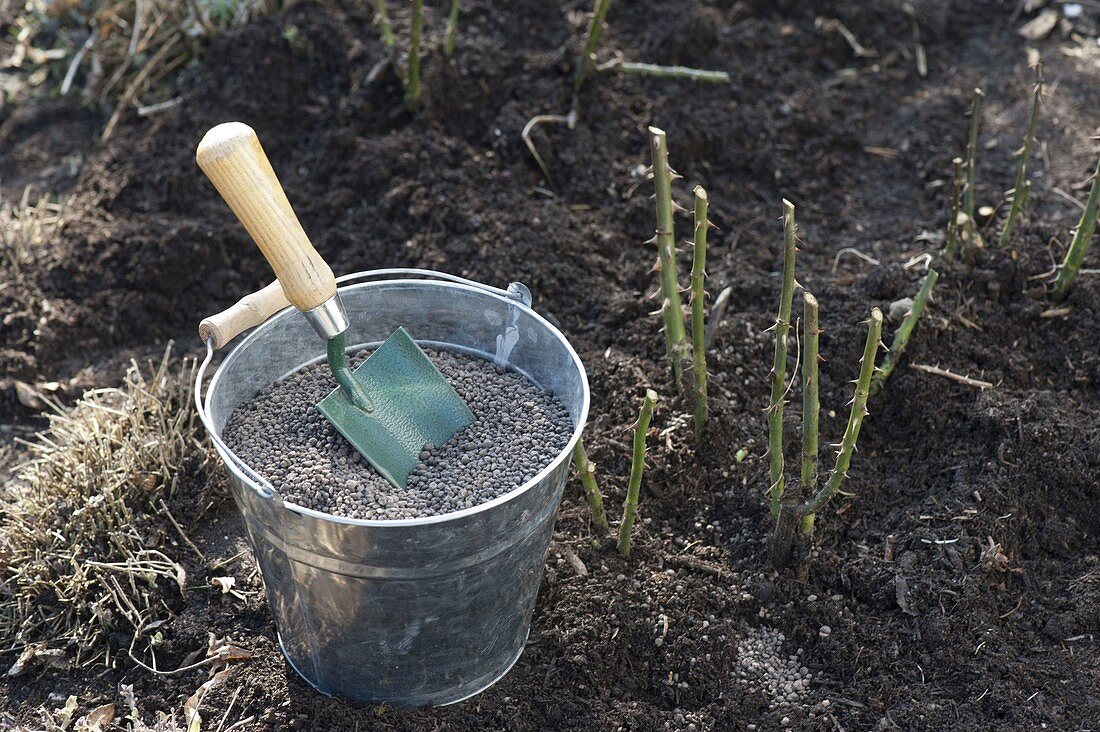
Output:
[[256, 307]]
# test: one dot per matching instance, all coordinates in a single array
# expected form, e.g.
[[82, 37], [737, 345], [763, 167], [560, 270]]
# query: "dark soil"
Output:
[[518, 430], [958, 587]]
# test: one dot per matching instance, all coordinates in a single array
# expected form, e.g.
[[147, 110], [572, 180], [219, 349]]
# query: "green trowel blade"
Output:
[[414, 406]]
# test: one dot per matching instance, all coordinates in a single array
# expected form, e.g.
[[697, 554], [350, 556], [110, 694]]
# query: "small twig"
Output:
[[855, 252], [832, 24], [190, 667], [179, 529], [135, 85], [151, 109], [698, 305], [901, 337], [779, 363], [569, 120], [637, 466], [203, 21], [966, 380], [1086, 227], [225, 717], [586, 471], [66, 84], [670, 72], [1068, 197]]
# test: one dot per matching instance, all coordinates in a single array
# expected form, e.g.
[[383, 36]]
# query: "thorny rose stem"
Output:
[[901, 337], [384, 27], [599, 16], [587, 473], [412, 92], [1080, 244], [1023, 186], [698, 305], [452, 28], [811, 405], [972, 155], [779, 365], [855, 421], [958, 182], [671, 307], [637, 465]]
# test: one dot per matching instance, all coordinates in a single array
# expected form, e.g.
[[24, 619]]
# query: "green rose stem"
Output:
[[671, 307], [588, 55], [855, 421], [1080, 244], [811, 405], [1023, 186], [452, 28], [412, 89], [953, 233], [587, 473], [901, 337], [698, 304], [779, 364], [384, 27], [637, 466], [972, 153]]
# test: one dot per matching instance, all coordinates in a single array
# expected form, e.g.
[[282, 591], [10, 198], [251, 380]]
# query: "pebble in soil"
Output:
[[518, 429], [762, 666]]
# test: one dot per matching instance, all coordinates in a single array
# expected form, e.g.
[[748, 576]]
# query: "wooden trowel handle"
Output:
[[231, 156], [248, 312]]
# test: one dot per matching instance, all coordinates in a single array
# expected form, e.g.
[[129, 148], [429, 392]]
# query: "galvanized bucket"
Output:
[[412, 612]]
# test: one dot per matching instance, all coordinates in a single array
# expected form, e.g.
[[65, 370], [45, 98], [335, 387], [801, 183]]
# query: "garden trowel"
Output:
[[396, 402]]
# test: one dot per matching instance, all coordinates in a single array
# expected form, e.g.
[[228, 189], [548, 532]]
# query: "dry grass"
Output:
[[116, 53], [75, 562], [25, 226]]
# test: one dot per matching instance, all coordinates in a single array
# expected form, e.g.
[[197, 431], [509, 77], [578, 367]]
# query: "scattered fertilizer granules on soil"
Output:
[[761, 666], [519, 428]]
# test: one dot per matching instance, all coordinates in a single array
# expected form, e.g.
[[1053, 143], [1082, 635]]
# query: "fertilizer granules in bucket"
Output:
[[519, 429]]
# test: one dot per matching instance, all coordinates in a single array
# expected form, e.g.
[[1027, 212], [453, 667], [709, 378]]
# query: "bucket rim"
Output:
[[232, 462]]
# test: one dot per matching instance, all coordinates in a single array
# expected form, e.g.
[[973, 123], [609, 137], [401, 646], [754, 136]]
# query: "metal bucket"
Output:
[[411, 612]]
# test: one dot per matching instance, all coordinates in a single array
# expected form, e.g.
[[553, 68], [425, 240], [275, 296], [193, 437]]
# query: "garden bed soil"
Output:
[[518, 429], [958, 587]]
